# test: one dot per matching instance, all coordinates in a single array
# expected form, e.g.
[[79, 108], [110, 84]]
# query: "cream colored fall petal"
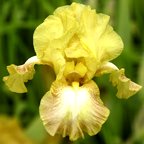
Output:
[[73, 110]]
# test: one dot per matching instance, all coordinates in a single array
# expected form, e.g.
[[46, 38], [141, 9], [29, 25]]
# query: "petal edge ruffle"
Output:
[[71, 111]]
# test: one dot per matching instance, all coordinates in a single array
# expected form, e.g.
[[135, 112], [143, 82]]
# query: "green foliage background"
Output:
[[18, 20]]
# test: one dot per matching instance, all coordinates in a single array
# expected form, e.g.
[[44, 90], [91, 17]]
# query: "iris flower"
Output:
[[78, 44]]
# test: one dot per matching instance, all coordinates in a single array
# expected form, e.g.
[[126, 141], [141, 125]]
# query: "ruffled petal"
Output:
[[18, 75], [109, 45], [50, 29], [50, 48], [125, 86], [94, 26], [73, 10], [76, 32], [73, 110], [76, 50]]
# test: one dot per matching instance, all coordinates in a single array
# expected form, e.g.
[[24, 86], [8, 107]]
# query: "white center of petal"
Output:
[[74, 99]]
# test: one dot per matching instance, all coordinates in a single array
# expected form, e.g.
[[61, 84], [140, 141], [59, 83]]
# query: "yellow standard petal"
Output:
[[76, 32], [125, 86], [72, 109], [98, 36], [109, 45]]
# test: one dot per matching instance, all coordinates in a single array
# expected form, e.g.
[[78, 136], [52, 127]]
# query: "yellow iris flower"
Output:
[[78, 43]]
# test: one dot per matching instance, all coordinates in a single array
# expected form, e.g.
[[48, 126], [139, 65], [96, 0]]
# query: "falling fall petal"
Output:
[[125, 86], [73, 110], [18, 75]]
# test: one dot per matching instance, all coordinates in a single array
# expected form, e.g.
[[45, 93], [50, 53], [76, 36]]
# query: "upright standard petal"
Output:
[[109, 46], [73, 110], [50, 29], [103, 42], [76, 32]]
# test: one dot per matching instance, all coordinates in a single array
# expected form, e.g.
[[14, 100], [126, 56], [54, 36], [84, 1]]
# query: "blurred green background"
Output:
[[18, 20]]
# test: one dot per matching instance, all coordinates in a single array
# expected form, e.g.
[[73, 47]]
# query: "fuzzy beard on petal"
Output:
[[72, 109]]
